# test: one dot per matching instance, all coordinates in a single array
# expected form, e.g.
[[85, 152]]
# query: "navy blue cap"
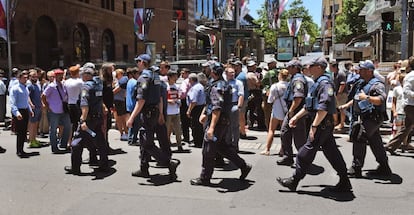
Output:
[[367, 65], [321, 61], [294, 63], [143, 57]]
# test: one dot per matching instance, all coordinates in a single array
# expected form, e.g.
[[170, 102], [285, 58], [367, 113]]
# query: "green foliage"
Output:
[[348, 24], [296, 10]]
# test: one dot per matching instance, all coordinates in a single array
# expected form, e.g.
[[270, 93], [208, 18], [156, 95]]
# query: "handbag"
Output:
[[64, 104]]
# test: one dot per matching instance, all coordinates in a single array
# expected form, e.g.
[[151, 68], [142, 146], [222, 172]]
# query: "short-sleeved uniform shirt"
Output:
[[196, 94], [147, 91], [91, 97], [296, 88], [325, 95]]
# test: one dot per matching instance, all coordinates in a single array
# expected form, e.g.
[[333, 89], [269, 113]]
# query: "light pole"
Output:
[[176, 39]]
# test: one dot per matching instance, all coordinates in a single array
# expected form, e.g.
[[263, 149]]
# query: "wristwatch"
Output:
[[367, 98]]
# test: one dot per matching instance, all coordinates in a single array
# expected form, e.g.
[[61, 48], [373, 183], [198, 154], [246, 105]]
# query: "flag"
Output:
[[142, 21], [139, 23], [274, 9], [244, 10], [3, 20], [294, 26], [212, 39]]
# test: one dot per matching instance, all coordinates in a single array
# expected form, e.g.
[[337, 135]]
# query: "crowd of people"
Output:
[[75, 108]]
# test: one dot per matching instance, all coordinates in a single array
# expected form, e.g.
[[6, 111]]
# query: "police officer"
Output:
[[369, 104], [148, 108], [217, 113], [90, 132], [295, 99], [320, 102]]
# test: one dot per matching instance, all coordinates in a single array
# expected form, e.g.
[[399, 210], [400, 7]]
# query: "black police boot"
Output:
[[71, 170], [141, 173], [382, 170], [286, 161], [200, 182], [290, 182], [245, 171], [343, 186], [355, 172], [173, 169]]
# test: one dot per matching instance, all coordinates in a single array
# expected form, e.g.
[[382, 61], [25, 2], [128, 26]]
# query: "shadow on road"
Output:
[[159, 180], [227, 185], [117, 151], [393, 179], [99, 175], [327, 194]]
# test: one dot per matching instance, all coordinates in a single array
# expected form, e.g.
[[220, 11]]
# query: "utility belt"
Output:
[[327, 122], [150, 111], [95, 116], [224, 120], [374, 115]]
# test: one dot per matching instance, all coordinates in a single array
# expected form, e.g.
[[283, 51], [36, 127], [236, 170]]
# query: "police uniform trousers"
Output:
[[221, 146], [405, 131], [91, 143], [375, 142], [323, 138], [196, 126], [21, 129], [299, 135], [185, 121], [162, 136], [149, 121]]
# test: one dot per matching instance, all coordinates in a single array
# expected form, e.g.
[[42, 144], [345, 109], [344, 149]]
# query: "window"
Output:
[[108, 4], [81, 43], [124, 7], [108, 46], [86, 1]]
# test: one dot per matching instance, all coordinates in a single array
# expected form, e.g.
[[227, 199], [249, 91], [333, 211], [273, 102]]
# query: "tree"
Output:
[[296, 10], [349, 24]]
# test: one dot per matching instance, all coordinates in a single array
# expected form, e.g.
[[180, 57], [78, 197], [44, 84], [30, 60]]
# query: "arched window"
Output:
[[108, 46], [80, 44]]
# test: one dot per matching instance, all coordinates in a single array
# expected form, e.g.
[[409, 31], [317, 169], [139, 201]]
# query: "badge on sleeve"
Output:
[[298, 85], [84, 93], [144, 85], [330, 91]]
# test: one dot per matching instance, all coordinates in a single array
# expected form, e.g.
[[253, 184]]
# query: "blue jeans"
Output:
[[56, 119]]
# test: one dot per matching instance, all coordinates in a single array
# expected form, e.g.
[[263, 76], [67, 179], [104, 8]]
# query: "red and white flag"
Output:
[[3, 19], [139, 23]]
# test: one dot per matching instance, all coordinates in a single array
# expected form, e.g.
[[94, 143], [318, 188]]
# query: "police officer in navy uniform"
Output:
[[320, 102], [90, 134], [216, 117], [148, 108], [295, 99], [369, 104]]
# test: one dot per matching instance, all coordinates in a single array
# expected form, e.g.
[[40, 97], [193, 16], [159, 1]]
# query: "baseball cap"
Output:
[[321, 61], [294, 63], [236, 62], [87, 70], [271, 60], [89, 65], [143, 57], [250, 63], [58, 71], [367, 65]]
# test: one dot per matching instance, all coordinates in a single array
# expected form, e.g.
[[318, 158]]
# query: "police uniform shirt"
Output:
[[85, 94], [216, 98], [325, 95], [143, 87], [378, 89], [298, 86], [237, 89]]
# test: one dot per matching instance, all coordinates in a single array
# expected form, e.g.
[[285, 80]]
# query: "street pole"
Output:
[[237, 12], [176, 39], [333, 28], [404, 32], [9, 55]]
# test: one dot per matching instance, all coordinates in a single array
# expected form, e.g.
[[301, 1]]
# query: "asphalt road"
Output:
[[39, 185]]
